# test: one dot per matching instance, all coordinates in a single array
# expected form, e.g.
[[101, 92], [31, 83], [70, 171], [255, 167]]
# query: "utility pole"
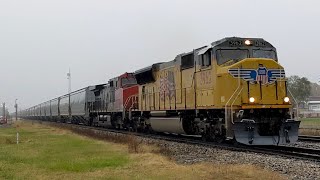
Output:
[[69, 91], [69, 83], [16, 106], [4, 113]]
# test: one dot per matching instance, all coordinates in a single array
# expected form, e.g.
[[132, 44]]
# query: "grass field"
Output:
[[51, 153], [310, 126], [310, 123]]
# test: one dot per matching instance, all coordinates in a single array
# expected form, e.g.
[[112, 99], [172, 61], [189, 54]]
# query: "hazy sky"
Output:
[[100, 39]]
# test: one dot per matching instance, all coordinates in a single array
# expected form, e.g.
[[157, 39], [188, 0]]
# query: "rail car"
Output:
[[98, 105], [233, 88], [69, 108]]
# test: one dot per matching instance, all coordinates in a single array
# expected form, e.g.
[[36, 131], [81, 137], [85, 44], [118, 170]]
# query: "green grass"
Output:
[[53, 152], [310, 123], [310, 126]]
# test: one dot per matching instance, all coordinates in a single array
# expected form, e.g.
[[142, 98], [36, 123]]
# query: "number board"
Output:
[[236, 43], [260, 43]]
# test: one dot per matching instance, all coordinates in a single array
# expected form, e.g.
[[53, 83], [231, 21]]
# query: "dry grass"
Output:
[[134, 145], [6, 140], [310, 132], [151, 166], [57, 153]]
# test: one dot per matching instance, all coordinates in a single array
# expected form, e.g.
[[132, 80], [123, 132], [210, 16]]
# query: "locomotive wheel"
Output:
[[134, 127], [234, 141], [203, 137], [206, 137], [118, 122], [219, 139]]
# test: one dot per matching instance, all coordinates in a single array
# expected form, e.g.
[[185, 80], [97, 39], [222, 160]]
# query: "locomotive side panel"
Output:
[[187, 90], [118, 104], [172, 89], [128, 97], [205, 88]]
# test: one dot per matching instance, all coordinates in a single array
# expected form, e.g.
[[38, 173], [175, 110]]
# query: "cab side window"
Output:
[[205, 59], [187, 61]]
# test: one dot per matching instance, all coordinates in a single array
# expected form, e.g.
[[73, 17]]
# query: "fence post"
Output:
[[17, 137]]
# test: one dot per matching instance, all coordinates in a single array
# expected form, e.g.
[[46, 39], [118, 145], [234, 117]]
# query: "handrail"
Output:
[[234, 102], [226, 114], [226, 106], [297, 104]]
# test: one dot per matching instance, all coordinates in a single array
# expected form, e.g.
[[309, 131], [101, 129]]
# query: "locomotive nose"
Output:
[[263, 102], [263, 81]]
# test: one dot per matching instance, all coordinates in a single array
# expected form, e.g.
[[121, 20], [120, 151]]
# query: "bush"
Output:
[[9, 141], [133, 144]]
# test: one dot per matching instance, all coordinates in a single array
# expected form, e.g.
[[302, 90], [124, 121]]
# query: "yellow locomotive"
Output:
[[232, 88]]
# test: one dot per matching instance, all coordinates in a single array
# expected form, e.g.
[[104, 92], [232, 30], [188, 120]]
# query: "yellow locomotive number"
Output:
[[205, 78]]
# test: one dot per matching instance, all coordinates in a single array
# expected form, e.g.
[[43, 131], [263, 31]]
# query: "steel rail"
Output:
[[309, 138]]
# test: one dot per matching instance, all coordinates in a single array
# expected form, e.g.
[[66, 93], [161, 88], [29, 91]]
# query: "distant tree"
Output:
[[1, 111], [300, 87], [8, 114], [315, 89]]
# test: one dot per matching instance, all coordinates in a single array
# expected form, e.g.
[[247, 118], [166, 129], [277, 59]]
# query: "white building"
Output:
[[314, 105]]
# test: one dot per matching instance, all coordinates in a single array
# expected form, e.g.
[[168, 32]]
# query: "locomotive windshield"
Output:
[[264, 54], [224, 55]]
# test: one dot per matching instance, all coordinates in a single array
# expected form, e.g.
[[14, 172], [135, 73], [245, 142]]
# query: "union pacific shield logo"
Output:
[[262, 75]]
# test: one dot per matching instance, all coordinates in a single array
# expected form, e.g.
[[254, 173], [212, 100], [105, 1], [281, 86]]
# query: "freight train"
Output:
[[233, 88]]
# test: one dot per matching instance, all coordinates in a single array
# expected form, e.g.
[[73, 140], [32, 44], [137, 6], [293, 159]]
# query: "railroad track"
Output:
[[309, 138], [283, 151], [292, 152]]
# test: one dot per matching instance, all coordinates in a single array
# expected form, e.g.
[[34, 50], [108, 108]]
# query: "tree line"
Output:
[[301, 88], [1, 111]]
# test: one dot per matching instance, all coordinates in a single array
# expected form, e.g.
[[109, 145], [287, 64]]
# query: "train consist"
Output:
[[232, 88]]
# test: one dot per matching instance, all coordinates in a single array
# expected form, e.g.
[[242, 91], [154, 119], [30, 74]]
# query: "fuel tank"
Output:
[[167, 124]]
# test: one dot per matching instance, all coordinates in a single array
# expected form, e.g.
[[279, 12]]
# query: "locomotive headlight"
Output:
[[247, 42], [286, 99], [251, 99]]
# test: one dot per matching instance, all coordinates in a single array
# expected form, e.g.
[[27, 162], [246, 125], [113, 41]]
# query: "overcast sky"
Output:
[[100, 39]]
